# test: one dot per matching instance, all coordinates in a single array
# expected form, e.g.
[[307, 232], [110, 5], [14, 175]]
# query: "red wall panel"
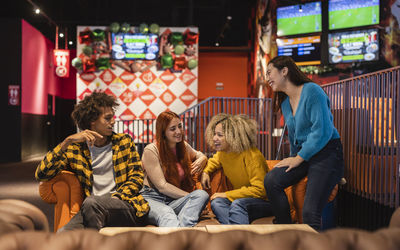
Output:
[[229, 68]]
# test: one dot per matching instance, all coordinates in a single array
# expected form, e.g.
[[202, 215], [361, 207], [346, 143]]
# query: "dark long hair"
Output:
[[294, 74], [168, 158]]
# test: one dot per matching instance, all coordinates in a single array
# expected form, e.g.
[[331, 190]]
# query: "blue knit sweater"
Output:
[[311, 128]]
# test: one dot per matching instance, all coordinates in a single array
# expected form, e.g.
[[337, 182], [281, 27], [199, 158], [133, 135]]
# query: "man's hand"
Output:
[[217, 195], [290, 162], [87, 135], [205, 180]]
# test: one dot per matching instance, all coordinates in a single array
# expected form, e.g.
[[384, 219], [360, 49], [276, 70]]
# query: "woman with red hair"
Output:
[[169, 164]]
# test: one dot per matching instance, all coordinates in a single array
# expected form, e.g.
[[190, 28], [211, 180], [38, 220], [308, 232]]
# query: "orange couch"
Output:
[[65, 192]]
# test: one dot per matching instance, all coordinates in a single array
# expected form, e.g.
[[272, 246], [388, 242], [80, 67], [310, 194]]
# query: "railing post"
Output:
[[369, 127]]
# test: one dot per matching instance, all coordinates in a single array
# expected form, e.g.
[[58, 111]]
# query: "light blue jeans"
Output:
[[168, 212], [240, 211]]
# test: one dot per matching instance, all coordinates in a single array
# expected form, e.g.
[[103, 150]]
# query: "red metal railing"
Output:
[[366, 113], [196, 119]]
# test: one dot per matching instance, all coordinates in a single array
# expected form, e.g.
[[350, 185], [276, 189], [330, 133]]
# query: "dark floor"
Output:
[[17, 181]]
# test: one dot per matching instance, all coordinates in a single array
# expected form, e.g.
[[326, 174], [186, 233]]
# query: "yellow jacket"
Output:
[[245, 170]]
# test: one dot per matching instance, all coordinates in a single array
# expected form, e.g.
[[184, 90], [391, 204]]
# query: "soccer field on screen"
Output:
[[299, 25], [353, 17]]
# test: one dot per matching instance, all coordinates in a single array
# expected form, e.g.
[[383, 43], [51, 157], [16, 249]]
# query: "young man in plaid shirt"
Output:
[[107, 165]]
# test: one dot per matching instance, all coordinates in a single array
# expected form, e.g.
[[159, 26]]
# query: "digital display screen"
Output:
[[352, 46], [127, 46], [353, 13], [299, 19], [303, 50]]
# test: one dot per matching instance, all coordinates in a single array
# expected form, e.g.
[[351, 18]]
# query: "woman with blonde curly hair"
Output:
[[169, 164], [234, 137]]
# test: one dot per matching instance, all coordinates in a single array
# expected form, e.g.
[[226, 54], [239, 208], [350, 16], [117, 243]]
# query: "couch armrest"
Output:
[[18, 215], [65, 191], [395, 219]]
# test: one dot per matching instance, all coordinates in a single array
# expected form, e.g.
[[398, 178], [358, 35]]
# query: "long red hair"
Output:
[[167, 156]]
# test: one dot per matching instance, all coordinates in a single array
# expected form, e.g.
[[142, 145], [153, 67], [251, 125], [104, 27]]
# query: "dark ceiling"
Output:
[[209, 15]]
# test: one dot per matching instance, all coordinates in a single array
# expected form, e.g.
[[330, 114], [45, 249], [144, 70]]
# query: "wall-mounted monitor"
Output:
[[353, 13], [303, 50], [353, 46], [299, 19], [127, 46]]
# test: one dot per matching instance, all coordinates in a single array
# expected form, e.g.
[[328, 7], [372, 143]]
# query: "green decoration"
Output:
[[103, 63], [125, 27], [98, 35], [167, 61], [179, 49], [192, 63], [176, 38], [87, 50], [77, 63], [114, 27], [154, 28], [143, 28]]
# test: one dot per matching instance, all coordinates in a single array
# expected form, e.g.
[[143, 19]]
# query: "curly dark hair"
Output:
[[89, 109]]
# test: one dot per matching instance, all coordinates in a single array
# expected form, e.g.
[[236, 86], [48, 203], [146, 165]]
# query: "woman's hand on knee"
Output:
[[218, 195], [290, 162]]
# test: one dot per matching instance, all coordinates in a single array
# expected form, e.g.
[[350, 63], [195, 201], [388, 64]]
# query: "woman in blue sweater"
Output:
[[315, 147]]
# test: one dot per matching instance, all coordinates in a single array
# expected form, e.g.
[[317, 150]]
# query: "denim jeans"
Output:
[[168, 212], [240, 211], [324, 170], [100, 211]]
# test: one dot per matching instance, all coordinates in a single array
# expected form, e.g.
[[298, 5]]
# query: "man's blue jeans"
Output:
[[240, 211], [168, 212], [324, 170]]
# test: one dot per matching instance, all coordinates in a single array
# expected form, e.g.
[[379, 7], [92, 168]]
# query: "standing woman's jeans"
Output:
[[168, 212], [324, 170]]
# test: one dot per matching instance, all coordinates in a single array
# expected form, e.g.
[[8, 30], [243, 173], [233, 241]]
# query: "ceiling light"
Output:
[[217, 44], [37, 11], [229, 17], [70, 42], [61, 35]]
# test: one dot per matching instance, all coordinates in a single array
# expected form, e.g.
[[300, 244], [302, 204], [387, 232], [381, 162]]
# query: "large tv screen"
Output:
[[126, 46], [353, 46], [303, 50], [299, 19], [352, 13]]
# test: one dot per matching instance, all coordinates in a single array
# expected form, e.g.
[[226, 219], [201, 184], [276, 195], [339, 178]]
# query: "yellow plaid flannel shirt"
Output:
[[76, 158]]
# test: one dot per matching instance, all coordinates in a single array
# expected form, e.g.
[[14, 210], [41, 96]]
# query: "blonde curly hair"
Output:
[[239, 130]]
